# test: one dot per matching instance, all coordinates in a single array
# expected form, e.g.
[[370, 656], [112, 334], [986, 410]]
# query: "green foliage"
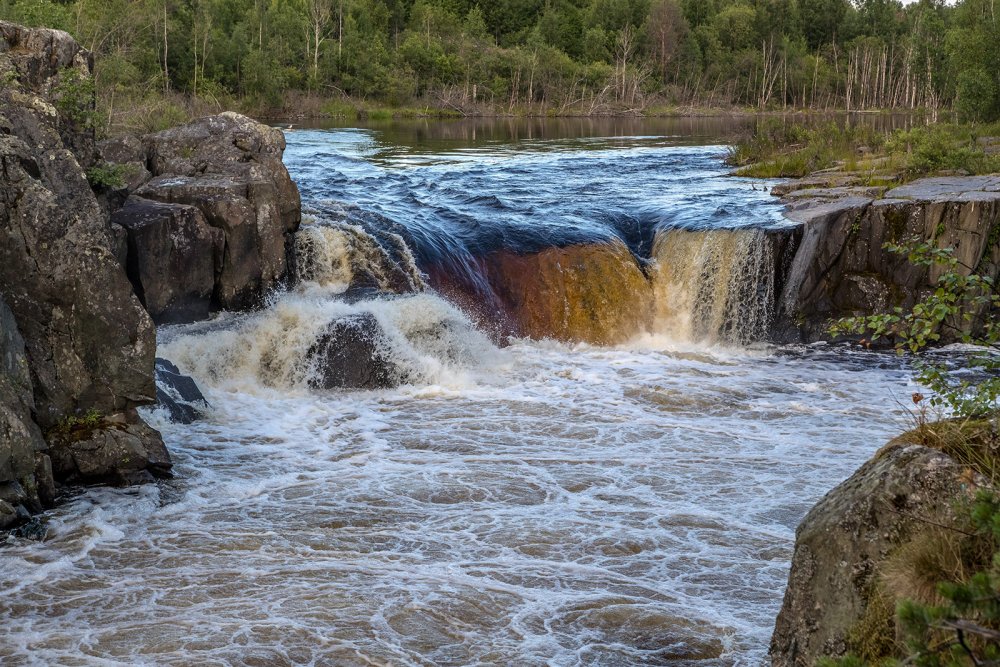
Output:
[[942, 147], [107, 175], [777, 148], [73, 423], [38, 13], [962, 306], [536, 56], [74, 98], [976, 92], [965, 630], [962, 628]]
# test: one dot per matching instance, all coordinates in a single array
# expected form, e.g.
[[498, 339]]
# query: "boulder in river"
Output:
[[859, 551], [353, 353], [228, 167], [120, 450], [172, 255], [178, 394]]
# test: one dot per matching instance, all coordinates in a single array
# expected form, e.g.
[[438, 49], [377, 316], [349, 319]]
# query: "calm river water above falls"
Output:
[[537, 504]]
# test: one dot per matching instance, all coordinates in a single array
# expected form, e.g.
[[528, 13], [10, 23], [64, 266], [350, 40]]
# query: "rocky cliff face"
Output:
[[868, 544], [201, 221], [88, 345], [841, 267]]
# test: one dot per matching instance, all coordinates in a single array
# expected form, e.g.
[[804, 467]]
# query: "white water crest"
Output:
[[567, 505], [338, 255], [429, 340]]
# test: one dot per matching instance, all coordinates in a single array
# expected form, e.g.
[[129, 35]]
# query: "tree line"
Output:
[[539, 56]]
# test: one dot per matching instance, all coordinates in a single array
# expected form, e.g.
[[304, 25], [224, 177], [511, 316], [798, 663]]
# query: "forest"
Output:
[[156, 59]]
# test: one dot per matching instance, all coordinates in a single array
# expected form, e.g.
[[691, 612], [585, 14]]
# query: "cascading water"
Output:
[[545, 503], [715, 285], [336, 254]]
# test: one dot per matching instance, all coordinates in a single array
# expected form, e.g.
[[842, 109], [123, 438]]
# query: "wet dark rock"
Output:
[[11, 515], [118, 450], [33, 528], [172, 255], [838, 591], [353, 353], [178, 394]]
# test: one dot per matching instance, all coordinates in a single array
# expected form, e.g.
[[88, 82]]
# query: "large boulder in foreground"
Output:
[[229, 168], [866, 546]]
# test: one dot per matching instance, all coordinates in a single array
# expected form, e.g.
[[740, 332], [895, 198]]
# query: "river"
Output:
[[514, 501]]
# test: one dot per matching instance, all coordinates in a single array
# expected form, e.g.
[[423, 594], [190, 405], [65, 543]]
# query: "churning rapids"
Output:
[[537, 503]]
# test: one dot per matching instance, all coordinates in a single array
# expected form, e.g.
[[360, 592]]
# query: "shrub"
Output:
[[107, 175], [74, 99]]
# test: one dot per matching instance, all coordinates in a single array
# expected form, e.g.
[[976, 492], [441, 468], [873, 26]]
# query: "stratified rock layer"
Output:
[[842, 267]]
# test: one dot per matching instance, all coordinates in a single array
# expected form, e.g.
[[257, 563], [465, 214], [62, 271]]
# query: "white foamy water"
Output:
[[540, 504], [543, 505]]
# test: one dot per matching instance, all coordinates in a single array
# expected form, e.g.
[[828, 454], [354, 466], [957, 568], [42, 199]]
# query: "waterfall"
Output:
[[717, 285], [339, 255]]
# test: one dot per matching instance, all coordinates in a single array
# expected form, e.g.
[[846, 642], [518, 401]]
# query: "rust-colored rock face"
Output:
[[595, 293]]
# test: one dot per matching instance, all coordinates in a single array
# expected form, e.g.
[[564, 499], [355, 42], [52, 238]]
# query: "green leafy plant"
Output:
[[108, 175], [74, 98], [91, 419], [961, 307], [962, 627], [965, 630]]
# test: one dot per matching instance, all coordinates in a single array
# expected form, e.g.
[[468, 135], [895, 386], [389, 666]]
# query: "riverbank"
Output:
[[865, 154], [160, 111]]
